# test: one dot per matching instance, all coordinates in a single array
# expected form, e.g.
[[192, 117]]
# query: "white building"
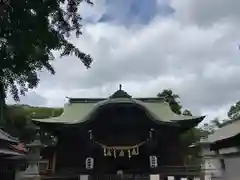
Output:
[[221, 153]]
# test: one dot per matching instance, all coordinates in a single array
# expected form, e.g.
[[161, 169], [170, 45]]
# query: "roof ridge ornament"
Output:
[[120, 93]]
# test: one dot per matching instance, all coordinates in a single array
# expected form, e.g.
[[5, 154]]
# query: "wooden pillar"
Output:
[[54, 162], [2, 102]]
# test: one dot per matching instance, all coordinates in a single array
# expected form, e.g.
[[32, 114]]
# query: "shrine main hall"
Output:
[[115, 135]]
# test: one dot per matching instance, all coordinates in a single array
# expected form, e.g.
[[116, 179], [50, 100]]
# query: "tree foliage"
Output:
[[29, 32], [234, 111], [172, 99], [43, 112], [189, 137], [187, 112], [233, 115], [19, 118]]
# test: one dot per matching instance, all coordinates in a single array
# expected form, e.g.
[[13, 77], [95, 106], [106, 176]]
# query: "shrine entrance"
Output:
[[111, 165], [122, 164]]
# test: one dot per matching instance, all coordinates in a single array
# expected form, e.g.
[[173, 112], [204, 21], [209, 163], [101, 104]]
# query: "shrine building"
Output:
[[12, 155], [119, 134]]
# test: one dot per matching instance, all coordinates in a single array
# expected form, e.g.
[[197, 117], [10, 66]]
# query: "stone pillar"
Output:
[[211, 163], [32, 171]]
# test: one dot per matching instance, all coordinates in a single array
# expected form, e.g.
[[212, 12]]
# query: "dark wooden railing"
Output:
[[164, 172], [120, 177], [179, 170]]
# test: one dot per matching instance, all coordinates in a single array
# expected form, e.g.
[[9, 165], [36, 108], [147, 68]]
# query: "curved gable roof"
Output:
[[81, 111]]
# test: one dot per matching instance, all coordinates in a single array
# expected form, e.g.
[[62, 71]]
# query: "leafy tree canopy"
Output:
[[234, 111], [189, 137], [172, 99], [19, 122], [233, 115], [30, 31], [187, 112]]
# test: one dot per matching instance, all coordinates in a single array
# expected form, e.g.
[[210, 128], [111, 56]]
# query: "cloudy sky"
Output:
[[190, 46]]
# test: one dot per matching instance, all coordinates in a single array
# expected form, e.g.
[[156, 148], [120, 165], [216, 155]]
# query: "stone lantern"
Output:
[[32, 171]]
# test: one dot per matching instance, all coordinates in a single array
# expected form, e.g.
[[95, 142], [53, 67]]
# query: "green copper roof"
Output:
[[230, 130], [81, 111]]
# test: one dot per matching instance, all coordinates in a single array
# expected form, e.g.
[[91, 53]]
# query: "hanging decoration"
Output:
[[151, 133], [90, 134], [153, 161], [135, 151], [120, 150], [105, 151], [89, 163], [114, 153], [129, 154], [109, 152], [121, 153]]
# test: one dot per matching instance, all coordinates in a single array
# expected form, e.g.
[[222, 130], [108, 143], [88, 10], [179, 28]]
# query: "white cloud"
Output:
[[199, 63], [94, 12], [205, 12], [32, 98]]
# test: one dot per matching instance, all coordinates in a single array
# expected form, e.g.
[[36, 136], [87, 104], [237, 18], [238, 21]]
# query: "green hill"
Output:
[[35, 112], [18, 118]]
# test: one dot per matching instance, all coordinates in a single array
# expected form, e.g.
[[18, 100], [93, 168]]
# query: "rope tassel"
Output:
[[109, 152], [121, 153]]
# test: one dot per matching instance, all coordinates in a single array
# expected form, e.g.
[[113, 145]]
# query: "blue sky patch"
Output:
[[134, 11]]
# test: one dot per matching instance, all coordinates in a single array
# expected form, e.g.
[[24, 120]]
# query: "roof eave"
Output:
[[7, 137], [190, 123]]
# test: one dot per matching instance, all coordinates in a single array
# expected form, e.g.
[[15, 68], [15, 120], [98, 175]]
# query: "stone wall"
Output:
[[232, 168]]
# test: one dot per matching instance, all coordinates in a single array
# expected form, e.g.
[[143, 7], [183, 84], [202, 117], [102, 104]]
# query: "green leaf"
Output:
[[31, 31]]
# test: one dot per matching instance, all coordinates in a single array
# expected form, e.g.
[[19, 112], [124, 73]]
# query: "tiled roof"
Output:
[[12, 147], [7, 137], [227, 131], [10, 152], [79, 112]]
